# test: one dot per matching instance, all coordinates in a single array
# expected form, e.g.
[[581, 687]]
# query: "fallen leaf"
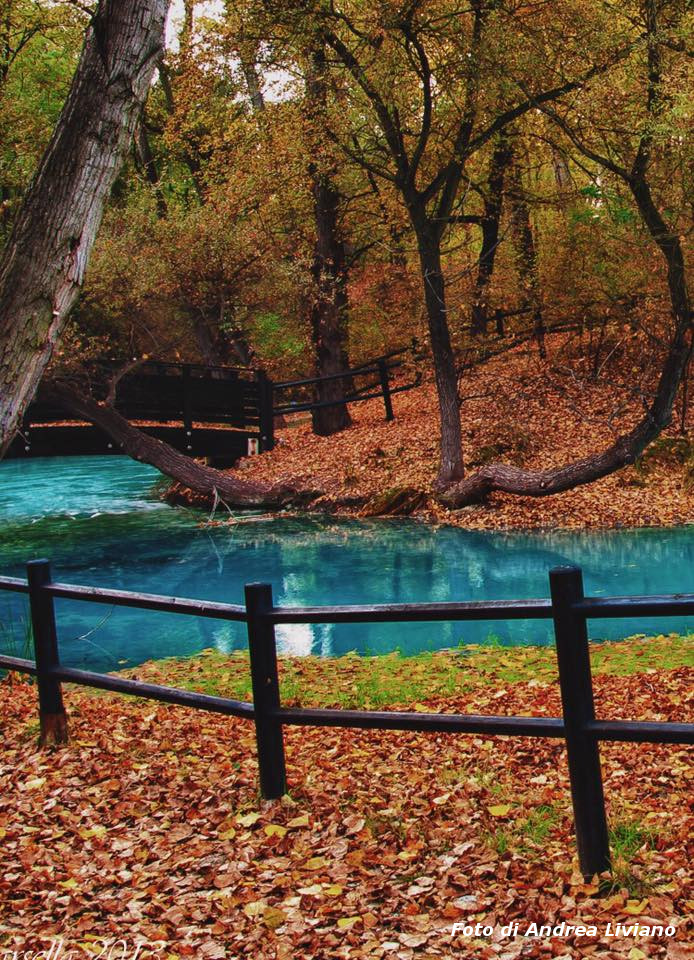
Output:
[[275, 830]]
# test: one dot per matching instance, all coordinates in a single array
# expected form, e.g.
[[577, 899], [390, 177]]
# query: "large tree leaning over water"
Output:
[[43, 264]]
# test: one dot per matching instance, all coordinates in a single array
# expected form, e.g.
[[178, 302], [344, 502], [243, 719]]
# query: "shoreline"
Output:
[[377, 467], [177, 496]]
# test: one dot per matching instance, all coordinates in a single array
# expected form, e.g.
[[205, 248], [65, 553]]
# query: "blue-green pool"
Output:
[[99, 520]]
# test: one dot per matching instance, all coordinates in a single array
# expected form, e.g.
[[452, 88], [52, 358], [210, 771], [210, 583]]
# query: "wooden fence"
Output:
[[199, 410], [376, 373], [568, 608]]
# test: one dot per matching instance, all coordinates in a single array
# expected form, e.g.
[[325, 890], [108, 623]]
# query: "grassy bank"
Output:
[[393, 680]]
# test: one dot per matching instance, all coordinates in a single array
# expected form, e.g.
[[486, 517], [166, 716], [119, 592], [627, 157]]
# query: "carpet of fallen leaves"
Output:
[[148, 827], [515, 408]]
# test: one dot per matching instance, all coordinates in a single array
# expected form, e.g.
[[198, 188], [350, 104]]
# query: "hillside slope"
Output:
[[515, 408]]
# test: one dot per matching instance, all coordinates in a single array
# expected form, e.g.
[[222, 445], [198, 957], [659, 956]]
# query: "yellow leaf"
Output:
[[635, 907], [254, 909], [273, 917], [3, 833], [35, 783], [227, 834], [275, 830], [439, 801], [344, 923], [70, 884], [316, 863], [315, 890], [97, 831], [301, 821], [248, 819], [334, 890], [500, 809], [636, 954]]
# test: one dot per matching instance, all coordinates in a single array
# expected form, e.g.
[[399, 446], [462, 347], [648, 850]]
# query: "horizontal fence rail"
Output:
[[379, 368], [567, 607]]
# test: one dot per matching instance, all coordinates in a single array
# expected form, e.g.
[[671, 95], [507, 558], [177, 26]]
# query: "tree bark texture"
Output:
[[490, 236], [43, 265], [451, 464], [329, 308]]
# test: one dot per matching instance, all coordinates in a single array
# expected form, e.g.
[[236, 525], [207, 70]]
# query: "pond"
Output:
[[100, 522]]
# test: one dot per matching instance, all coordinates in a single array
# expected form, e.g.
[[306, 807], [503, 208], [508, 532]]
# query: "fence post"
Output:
[[52, 718], [385, 387], [266, 691], [573, 656], [266, 413]]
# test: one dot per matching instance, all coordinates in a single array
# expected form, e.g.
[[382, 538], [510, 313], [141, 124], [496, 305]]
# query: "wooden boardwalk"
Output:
[[213, 412]]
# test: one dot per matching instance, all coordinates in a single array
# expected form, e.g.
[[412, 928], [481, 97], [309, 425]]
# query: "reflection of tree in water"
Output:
[[319, 561]]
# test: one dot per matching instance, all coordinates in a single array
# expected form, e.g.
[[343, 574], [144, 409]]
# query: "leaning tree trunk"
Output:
[[140, 446], [625, 450], [43, 265], [541, 483]]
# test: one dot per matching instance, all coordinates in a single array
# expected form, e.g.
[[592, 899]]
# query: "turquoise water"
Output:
[[99, 521]]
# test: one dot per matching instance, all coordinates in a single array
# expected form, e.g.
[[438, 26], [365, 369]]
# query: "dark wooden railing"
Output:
[[568, 608], [199, 410], [202, 410], [376, 372]]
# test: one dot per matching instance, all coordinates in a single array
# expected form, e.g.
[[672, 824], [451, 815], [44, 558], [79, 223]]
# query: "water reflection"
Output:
[[143, 545]]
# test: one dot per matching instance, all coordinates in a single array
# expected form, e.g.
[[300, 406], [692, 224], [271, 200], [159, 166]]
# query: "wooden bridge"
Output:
[[215, 412], [221, 413]]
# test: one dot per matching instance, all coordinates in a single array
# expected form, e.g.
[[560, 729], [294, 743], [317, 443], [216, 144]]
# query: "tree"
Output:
[[489, 221], [633, 167], [43, 264], [430, 87]]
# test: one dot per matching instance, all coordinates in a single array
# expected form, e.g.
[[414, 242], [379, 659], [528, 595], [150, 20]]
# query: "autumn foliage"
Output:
[[148, 826]]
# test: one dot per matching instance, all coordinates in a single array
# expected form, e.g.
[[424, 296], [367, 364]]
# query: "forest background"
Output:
[[312, 184]]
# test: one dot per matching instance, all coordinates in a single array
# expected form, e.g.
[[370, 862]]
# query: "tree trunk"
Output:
[[140, 446], [145, 157], [42, 267], [490, 236], [330, 305], [526, 258], [625, 450], [249, 69], [451, 465], [329, 309]]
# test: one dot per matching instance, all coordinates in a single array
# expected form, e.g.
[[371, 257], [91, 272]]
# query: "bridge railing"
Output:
[[162, 394], [376, 374], [567, 607]]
